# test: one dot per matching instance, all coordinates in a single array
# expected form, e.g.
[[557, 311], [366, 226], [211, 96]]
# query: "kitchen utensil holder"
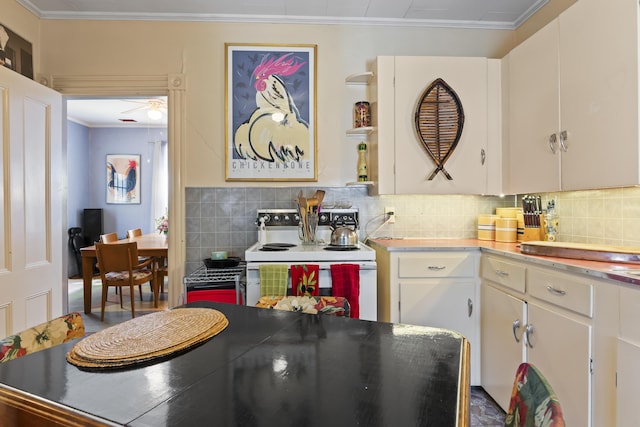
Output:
[[534, 233]]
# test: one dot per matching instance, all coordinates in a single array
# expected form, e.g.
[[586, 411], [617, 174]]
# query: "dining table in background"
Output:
[[154, 245], [267, 368]]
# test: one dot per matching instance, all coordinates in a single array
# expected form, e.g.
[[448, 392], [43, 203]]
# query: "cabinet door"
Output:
[[468, 78], [533, 114], [560, 346], [628, 385], [502, 323], [599, 94], [443, 303]]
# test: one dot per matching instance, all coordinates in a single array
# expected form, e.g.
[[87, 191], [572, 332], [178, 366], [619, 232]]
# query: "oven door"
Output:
[[368, 283]]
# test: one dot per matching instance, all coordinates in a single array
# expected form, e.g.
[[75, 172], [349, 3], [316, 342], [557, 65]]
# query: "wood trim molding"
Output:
[[174, 87]]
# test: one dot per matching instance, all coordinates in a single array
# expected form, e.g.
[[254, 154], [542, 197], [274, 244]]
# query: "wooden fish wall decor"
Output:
[[439, 121]]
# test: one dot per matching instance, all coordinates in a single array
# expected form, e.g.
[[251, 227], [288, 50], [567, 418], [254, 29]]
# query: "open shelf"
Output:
[[360, 78], [360, 131], [359, 183]]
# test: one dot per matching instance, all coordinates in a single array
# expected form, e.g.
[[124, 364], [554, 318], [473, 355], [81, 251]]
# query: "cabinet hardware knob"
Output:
[[515, 327], [501, 273], [528, 331], [436, 267], [563, 141], [469, 307], [555, 291], [553, 141], [483, 156]]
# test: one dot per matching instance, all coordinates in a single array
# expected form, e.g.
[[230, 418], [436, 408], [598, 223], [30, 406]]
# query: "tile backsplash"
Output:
[[224, 218]]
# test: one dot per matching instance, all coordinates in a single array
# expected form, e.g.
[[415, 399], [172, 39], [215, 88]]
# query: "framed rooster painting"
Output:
[[123, 178], [270, 113]]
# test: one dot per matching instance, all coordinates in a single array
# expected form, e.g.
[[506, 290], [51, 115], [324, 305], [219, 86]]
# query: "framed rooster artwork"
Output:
[[123, 178], [270, 113]]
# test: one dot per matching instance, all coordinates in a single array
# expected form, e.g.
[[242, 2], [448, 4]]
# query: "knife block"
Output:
[[532, 233]]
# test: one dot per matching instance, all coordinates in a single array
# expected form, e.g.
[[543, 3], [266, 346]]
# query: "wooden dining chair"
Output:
[[119, 267], [109, 238], [134, 232]]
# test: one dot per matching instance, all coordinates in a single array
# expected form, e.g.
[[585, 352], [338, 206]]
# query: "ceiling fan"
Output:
[[155, 107]]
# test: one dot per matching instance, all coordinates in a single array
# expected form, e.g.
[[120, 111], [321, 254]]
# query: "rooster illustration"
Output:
[[275, 131], [123, 184]]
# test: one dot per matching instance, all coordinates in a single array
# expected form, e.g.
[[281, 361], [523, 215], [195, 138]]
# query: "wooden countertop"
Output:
[[622, 272]]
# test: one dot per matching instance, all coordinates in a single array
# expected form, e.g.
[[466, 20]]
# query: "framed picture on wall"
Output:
[[15, 52], [270, 113], [123, 178]]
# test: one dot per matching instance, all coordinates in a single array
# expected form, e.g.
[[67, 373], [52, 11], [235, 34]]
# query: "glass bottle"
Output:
[[363, 174]]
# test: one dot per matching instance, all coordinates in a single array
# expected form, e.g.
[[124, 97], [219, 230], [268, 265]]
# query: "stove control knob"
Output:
[[323, 218], [276, 218], [286, 218], [296, 218], [266, 218]]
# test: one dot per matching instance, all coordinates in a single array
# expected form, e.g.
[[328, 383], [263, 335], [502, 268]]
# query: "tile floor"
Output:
[[483, 411]]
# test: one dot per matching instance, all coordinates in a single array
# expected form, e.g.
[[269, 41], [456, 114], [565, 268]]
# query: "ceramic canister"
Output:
[[487, 227], [506, 230], [508, 212]]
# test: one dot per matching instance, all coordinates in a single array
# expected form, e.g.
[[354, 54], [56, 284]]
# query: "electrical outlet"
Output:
[[391, 214]]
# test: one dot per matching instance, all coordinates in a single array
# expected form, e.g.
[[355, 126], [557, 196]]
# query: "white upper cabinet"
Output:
[[573, 102], [599, 94], [401, 83], [533, 114]]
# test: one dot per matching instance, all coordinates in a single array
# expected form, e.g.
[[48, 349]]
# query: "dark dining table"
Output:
[[151, 245], [267, 368]]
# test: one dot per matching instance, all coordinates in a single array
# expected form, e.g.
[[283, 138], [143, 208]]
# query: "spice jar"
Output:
[[362, 114]]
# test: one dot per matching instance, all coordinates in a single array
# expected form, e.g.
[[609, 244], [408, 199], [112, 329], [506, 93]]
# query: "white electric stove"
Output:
[[283, 246]]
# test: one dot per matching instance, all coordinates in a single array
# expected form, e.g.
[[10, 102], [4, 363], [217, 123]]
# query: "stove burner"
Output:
[[280, 245], [341, 248], [274, 248]]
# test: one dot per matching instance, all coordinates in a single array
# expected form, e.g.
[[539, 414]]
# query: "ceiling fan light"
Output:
[[154, 114]]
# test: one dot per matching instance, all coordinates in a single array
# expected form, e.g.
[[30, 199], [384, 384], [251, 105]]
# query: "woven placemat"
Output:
[[146, 338]]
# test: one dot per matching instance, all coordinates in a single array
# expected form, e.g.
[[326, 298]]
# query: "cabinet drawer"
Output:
[[564, 290], [436, 265], [509, 274]]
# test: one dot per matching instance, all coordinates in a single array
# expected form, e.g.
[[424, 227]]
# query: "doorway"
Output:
[[100, 127]]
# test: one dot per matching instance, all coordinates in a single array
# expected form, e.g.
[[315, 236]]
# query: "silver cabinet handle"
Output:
[[555, 291], [501, 273], [436, 267], [553, 141], [469, 307], [483, 156], [528, 331], [514, 328], [563, 141]]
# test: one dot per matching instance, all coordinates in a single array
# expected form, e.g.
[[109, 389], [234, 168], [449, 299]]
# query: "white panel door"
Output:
[[31, 194]]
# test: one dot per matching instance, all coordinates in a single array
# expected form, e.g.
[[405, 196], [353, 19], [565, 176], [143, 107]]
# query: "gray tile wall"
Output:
[[224, 218]]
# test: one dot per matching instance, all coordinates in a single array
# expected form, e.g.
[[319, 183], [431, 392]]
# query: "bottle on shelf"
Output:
[[363, 174]]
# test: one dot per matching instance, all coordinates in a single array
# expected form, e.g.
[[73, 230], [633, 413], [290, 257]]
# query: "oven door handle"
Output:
[[368, 265]]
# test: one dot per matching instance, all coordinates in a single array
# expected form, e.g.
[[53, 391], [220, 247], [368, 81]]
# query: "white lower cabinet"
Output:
[[628, 370], [437, 289], [503, 318], [549, 325]]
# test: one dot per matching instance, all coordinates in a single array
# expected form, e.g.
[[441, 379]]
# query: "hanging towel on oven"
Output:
[[273, 280], [304, 279], [345, 282]]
